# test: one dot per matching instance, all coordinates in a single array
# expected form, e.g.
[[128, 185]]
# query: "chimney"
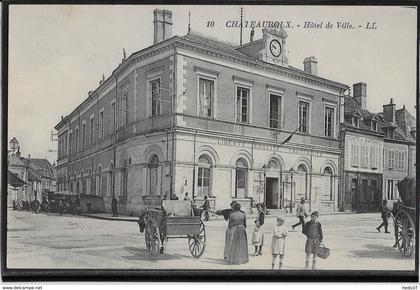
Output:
[[360, 94], [310, 65], [251, 37], [162, 23], [389, 111]]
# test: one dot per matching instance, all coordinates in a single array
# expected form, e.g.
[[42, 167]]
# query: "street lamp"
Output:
[[14, 144], [291, 171]]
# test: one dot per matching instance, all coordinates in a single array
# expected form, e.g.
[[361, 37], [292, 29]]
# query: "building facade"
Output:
[[378, 151], [399, 129], [362, 154], [194, 114]]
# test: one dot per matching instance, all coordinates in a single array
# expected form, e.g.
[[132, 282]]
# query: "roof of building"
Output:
[[233, 49], [405, 121], [14, 180], [43, 167]]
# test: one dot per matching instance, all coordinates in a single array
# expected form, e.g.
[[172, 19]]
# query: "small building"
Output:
[[399, 129], [362, 154]]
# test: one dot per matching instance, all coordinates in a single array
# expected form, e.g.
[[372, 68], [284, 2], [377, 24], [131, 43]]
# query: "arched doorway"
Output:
[[272, 184], [154, 176]]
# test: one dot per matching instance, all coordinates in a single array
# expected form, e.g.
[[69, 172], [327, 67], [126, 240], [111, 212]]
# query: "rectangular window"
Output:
[[77, 139], [155, 89], [355, 154], [303, 117], [92, 130], [401, 160], [113, 117], [101, 125], [83, 135], [70, 142], [206, 95], [275, 111], [328, 122], [242, 105], [124, 109]]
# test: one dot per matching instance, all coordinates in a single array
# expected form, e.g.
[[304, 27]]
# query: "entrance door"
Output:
[[272, 192]]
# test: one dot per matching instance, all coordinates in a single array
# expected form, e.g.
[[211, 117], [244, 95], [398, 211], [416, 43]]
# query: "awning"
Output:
[[14, 180]]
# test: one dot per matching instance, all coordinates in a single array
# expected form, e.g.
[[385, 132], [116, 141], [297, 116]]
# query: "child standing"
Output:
[[313, 232], [279, 242], [258, 234]]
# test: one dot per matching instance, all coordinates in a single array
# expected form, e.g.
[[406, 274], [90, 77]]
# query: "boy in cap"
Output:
[[313, 232]]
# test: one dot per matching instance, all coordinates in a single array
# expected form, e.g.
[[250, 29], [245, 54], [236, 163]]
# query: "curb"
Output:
[[110, 218]]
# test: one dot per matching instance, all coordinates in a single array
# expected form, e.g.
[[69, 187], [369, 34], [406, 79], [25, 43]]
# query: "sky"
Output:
[[57, 54]]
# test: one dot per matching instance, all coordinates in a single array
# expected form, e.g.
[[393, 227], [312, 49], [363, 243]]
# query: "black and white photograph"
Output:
[[211, 137]]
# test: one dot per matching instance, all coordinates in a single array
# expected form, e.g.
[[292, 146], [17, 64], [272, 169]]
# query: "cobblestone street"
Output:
[[52, 241]]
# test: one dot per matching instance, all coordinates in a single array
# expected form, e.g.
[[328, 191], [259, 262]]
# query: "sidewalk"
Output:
[[272, 213]]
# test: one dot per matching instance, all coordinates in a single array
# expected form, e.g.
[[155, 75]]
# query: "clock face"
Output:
[[275, 47]]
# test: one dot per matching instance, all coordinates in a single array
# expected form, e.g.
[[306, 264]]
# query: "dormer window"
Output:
[[390, 133], [355, 121], [374, 126]]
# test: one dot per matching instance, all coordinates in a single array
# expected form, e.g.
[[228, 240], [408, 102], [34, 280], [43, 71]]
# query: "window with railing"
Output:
[[275, 111]]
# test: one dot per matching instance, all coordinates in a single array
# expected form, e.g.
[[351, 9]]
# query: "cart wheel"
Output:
[[197, 242], [152, 238], [406, 233]]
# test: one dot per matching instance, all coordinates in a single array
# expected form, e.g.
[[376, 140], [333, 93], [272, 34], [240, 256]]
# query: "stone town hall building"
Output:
[[197, 115]]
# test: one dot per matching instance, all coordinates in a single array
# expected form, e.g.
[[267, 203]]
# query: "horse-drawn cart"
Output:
[[174, 220], [405, 217]]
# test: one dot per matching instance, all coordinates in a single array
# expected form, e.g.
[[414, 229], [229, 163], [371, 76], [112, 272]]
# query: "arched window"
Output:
[[241, 178], [82, 183], [99, 181], [124, 179], [153, 168], [273, 164], [93, 183], [76, 184], [302, 182], [110, 190], [204, 175], [327, 185], [70, 184], [88, 183]]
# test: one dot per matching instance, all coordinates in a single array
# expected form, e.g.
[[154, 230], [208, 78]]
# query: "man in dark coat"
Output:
[[206, 207], [385, 215], [114, 206]]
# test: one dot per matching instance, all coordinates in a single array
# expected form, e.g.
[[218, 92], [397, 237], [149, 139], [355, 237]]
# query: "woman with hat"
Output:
[[236, 244]]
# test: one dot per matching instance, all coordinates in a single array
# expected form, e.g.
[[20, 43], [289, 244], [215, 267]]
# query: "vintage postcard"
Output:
[[212, 138]]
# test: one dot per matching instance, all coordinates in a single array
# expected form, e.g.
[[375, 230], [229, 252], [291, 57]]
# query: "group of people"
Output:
[[236, 241]]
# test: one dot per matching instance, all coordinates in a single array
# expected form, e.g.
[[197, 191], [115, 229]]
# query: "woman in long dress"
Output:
[[236, 244]]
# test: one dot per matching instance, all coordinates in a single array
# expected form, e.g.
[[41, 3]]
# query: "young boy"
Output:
[[313, 232]]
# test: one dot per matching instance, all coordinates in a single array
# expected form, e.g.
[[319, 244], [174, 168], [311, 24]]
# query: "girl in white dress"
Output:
[[279, 242]]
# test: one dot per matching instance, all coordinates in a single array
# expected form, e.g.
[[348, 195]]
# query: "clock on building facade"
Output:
[[275, 46]]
